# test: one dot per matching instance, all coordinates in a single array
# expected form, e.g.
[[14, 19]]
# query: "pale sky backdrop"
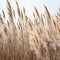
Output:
[[52, 5]]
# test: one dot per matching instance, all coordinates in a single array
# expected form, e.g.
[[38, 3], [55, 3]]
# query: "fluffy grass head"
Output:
[[26, 39]]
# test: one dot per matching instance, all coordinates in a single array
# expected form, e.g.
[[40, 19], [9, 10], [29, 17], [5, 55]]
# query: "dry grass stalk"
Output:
[[36, 11], [3, 14], [9, 11], [1, 20], [47, 12], [39, 31], [18, 10], [14, 13], [35, 40], [24, 10], [15, 39]]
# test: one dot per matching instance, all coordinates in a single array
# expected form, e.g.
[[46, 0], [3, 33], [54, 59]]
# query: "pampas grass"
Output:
[[29, 40]]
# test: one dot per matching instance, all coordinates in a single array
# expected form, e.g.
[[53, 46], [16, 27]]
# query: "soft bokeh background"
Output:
[[52, 5]]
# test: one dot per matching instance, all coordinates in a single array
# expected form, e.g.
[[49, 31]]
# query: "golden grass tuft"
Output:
[[27, 40]]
